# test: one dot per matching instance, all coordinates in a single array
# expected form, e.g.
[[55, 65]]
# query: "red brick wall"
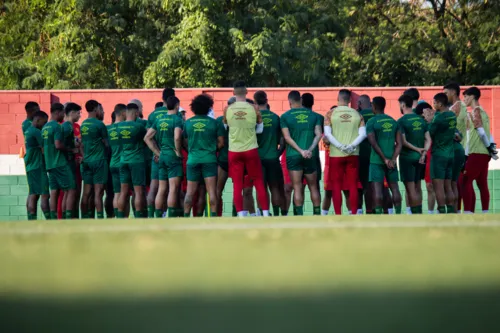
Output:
[[12, 103]]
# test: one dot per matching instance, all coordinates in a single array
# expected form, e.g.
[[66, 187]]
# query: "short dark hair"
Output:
[[91, 105], [308, 100], [345, 95], [167, 92], [40, 114], [441, 98], [71, 107], [31, 106], [453, 86], [56, 107], [260, 97], [419, 110], [132, 106], [294, 96], [413, 93], [239, 84], [113, 117], [201, 104], [379, 103], [407, 100], [119, 109], [172, 101], [473, 91], [158, 105], [250, 101]]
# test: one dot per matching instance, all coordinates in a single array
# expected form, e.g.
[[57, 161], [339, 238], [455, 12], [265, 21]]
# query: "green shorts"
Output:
[[170, 167], [458, 164], [272, 171], [224, 165], [95, 172], [133, 173], [72, 166], [298, 163], [199, 171], [115, 179], [441, 167], [379, 171], [411, 170], [155, 170], [38, 182], [62, 178], [364, 170]]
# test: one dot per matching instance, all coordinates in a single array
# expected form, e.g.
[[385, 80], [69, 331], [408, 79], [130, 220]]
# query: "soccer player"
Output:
[[204, 137], [116, 152], [38, 182], [222, 162], [365, 150], [442, 130], [73, 113], [415, 96], [345, 130], [60, 175], [132, 164], [245, 122], [308, 103], [164, 138], [31, 108], [158, 113], [480, 150], [416, 143], [385, 137], [95, 163], [271, 146], [301, 129], [158, 105]]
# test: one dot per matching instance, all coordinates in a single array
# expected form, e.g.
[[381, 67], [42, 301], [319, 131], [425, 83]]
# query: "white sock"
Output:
[[467, 212], [265, 213], [408, 210], [243, 213], [430, 212], [359, 212], [253, 215], [258, 213], [324, 212], [390, 211]]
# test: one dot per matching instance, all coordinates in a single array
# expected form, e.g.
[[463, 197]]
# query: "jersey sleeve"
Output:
[[150, 123], [177, 123], [369, 127], [401, 126], [283, 121], [58, 133], [434, 125], [328, 118], [38, 137], [220, 129]]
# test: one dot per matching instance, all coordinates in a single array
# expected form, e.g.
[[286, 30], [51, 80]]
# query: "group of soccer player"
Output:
[[167, 165]]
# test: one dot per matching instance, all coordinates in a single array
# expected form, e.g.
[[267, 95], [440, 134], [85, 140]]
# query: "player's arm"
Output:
[[398, 147], [104, 137], [318, 134], [59, 138], [220, 135], [408, 145], [150, 141], [361, 134], [224, 119], [259, 128], [178, 141], [282, 142], [289, 141]]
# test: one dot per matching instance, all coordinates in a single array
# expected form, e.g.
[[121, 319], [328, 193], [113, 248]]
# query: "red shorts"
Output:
[[428, 168], [286, 175], [345, 185]]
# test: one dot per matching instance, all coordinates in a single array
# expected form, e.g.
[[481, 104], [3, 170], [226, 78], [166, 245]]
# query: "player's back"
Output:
[[269, 139], [165, 133], [115, 145], [384, 128], [202, 133], [301, 123], [156, 114], [93, 133], [68, 138], [54, 158], [25, 125], [34, 157], [131, 135], [345, 123], [442, 130], [413, 127], [241, 119]]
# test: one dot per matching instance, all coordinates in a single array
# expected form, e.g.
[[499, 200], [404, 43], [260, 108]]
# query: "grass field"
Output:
[[314, 274]]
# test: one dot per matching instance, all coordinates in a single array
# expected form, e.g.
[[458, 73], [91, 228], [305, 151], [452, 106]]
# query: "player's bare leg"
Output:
[[396, 197], [151, 198], [84, 205], [327, 202], [288, 189], [161, 194], [192, 187], [312, 183], [439, 190], [298, 195], [140, 200], [222, 177], [44, 204], [451, 199], [388, 204], [123, 200], [70, 201], [211, 189], [32, 205], [456, 192], [174, 184], [277, 195], [248, 200], [98, 200], [431, 198], [378, 196], [412, 197]]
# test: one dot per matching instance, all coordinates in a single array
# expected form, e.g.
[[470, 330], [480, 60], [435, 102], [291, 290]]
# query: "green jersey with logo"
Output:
[[131, 136], [115, 145], [94, 134], [156, 114], [26, 124], [34, 157], [301, 123], [68, 139], [414, 128], [442, 131], [269, 139], [165, 133], [54, 158], [385, 129], [223, 153], [365, 148], [148, 154], [202, 133]]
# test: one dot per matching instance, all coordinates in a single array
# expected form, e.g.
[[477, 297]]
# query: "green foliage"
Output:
[[72, 44]]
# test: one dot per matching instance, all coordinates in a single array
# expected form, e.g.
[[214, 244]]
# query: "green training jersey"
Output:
[[442, 131], [413, 127], [156, 114], [479, 118], [321, 122], [301, 123], [68, 139], [148, 154], [165, 133], [385, 129], [269, 139], [202, 133], [25, 125], [34, 157], [365, 148], [94, 134], [54, 158], [131, 137], [224, 152], [115, 145]]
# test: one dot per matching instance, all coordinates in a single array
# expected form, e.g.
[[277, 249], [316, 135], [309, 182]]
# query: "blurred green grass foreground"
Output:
[[313, 274]]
